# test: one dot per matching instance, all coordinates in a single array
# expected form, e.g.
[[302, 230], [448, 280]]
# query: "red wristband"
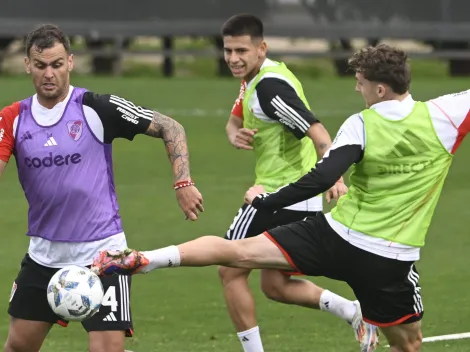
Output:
[[182, 184]]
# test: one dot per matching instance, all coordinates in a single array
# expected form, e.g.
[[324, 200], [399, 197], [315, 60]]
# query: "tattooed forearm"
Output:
[[321, 147], [320, 138], [174, 137]]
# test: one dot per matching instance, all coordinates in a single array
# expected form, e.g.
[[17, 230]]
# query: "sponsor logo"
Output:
[[404, 168], [53, 160], [50, 142], [26, 135], [126, 115], [409, 145], [284, 121]]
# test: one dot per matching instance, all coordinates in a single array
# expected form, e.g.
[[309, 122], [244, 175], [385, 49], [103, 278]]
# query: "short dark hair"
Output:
[[45, 37], [383, 64], [243, 24]]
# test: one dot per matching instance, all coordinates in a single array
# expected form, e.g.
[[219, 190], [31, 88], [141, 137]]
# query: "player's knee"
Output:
[[274, 284], [106, 341], [108, 346], [410, 343], [111, 347], [274, 290], [228, 275], [415, 342], [17, 345], [223, 273]]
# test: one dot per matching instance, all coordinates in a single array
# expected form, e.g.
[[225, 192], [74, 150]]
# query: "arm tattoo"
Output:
[[321, 149], [174, 137]]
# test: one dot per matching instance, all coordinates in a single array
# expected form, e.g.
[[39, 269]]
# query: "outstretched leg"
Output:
[[307, 247], [251, 253]]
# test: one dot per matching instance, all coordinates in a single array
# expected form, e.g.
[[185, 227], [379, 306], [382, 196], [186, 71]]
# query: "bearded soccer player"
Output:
[[400, 151], [61, 139]]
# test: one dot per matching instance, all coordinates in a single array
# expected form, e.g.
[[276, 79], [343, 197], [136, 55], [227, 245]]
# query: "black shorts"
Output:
[[387, 289], [28, 300], [250, 222]]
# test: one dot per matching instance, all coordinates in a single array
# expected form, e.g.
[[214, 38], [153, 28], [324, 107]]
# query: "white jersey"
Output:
[[450, 115]]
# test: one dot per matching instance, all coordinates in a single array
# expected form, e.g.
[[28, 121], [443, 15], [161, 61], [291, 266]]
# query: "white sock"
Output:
[[251, 340], [337, 305], [162, 258]]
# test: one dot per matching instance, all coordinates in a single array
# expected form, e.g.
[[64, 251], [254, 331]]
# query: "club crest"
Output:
[[75, 129]]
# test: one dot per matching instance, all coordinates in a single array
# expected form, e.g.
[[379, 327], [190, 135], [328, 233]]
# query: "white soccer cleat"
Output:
[[366, 334]]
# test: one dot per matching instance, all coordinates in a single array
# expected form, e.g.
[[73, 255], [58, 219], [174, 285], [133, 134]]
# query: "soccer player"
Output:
[[61, 138], [400, 151], [272, 118]]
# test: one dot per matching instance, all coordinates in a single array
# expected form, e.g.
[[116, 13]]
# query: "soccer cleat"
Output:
[[366, 334], [126, 262]]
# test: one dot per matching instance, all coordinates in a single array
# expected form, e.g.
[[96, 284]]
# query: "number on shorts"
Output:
[[109, 298]]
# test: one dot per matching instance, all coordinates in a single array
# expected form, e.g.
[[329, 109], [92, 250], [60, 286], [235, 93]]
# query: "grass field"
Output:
[[183, 309]]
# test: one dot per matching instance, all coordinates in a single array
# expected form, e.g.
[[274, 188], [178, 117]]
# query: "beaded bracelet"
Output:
[[182, 184]]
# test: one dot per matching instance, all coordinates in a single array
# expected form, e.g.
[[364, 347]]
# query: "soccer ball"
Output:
[[75, 293]]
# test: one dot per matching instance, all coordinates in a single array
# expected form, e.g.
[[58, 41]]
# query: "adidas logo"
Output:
[[245, 339], [26, 136], [50, 142], [409, 145], [110, 317]]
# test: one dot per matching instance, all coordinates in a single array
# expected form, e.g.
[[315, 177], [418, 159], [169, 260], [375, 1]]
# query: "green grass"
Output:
[[183, 309]]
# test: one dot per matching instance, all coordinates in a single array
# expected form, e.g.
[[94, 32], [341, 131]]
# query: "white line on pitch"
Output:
[[464, 335]]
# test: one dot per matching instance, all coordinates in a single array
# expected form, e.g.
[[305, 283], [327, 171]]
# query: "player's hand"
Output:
[[190, 201], [253, 192], [335, 192], [244, 138]]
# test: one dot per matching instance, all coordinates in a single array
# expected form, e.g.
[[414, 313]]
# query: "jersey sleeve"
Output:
[[121, 118], [456, 110], [7, 138], [237, 109], [326, 172], [352, 132], [279, 101]]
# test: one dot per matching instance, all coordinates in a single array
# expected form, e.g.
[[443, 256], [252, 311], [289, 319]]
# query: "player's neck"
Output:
[[399, 97], [402, 97], [50, 103], [255, 71]]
